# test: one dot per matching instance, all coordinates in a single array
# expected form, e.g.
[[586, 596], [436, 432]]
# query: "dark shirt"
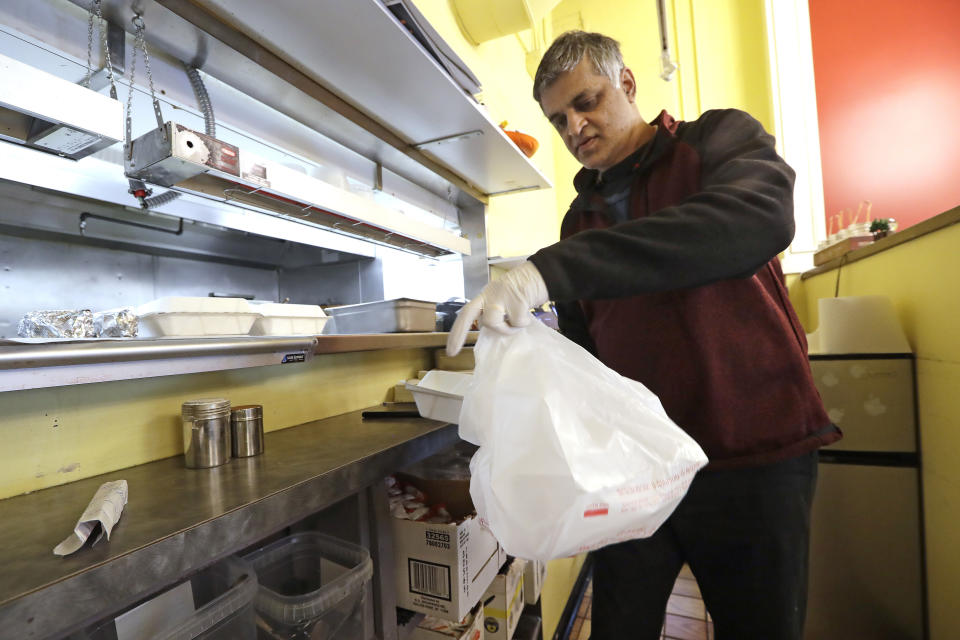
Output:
[[667, 270]]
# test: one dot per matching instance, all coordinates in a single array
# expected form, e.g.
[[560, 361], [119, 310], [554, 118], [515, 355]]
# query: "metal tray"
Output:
[[402, 315]]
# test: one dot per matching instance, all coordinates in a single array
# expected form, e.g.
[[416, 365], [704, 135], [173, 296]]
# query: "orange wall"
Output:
[[888, 97]]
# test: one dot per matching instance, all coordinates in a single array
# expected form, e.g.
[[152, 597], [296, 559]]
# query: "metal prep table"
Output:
[[179, 520]]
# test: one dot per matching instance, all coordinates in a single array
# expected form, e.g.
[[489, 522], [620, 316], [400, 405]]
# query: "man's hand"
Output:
[[502, 305]]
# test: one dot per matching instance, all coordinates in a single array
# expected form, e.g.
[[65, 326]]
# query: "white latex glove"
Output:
[[503, 305]]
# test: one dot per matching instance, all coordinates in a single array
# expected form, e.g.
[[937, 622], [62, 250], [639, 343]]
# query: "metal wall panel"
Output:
[[38, 274], [476, 271], [183, 277], [866, 575], [335, 284]]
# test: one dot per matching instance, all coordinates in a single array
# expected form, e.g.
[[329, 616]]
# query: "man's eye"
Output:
[[587, 105], [559, 123]]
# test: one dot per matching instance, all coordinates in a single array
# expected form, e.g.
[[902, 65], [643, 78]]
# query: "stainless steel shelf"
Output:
[[57, 364], [392, 79], [99, 352], [54, 364], [179, 520]]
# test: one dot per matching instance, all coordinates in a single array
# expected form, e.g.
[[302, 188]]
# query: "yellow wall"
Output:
[[54, 436], [920, 278], [723, 57]]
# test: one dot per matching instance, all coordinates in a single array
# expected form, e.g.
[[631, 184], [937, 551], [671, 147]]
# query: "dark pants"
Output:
[[745, 534]]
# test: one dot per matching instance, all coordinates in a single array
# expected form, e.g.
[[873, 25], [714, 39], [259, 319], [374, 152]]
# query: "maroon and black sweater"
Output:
[[667, 270]]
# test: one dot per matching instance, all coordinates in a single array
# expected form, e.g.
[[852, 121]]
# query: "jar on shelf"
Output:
[[206, 432]]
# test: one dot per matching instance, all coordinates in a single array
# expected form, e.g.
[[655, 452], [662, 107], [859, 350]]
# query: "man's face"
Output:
[[595, 119]]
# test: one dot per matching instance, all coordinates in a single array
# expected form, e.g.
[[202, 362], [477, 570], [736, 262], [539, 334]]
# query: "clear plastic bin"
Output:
[[312, 586], [222, 609]]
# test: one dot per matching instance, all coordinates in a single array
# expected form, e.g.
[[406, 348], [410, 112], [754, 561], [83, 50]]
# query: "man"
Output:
[[667, 270]]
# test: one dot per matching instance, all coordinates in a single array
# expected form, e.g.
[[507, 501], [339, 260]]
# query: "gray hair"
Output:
[[568, 50]]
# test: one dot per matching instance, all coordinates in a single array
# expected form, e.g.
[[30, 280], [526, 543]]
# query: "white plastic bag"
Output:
[[573, 456]]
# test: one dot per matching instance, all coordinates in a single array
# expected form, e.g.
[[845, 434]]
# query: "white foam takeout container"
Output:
[[439, 395], [185, 316], [288, 319]]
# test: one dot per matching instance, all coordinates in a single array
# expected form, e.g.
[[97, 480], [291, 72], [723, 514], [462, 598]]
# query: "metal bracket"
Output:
[[667, 66], [448, 139], [99, 80], [86, 215], [116, 42], [514, 190]]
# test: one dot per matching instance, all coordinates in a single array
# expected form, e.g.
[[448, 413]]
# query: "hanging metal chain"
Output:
[[142, 43], [128, 137], [95, 10], [106, 49], [86, 78]]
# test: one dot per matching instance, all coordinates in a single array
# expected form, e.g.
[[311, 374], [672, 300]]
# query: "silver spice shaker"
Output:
[[246, 426], [206, 432]]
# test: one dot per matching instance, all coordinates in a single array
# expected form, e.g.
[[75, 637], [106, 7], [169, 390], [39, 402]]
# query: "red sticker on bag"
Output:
[[596, 510]]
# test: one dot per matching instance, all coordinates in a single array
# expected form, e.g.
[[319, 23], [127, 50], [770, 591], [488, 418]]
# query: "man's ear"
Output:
[[628, 84]]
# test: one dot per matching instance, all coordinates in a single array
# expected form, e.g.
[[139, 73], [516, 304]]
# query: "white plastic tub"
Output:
[[288, 319], [195, 316], [439, 395]]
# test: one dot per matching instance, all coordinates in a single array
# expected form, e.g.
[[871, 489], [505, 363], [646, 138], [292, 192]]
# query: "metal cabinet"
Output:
[[866, 548]]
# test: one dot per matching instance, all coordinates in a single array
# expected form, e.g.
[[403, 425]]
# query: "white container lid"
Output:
[[452, 384], [283, 310], [186, 304]]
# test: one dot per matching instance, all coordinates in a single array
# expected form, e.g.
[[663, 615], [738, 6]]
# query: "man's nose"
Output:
[[575, 123]]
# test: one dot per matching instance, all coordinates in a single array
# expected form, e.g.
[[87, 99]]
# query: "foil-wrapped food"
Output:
[[67, 323], [117, 323], [63, 323]]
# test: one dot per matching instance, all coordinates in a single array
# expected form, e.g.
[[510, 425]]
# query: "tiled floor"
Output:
[[686, 618]]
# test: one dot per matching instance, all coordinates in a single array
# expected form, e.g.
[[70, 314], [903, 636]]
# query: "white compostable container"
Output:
[[288, 319], [196, 317], [439, 395]]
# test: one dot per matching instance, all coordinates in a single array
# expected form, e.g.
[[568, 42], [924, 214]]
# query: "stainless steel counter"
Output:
[[179, 520]]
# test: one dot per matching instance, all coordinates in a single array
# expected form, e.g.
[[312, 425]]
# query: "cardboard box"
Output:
[[400, 391], [503, 559], [443, 569], [533, 577], [470, 628], [463, 361], [503, 602]]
